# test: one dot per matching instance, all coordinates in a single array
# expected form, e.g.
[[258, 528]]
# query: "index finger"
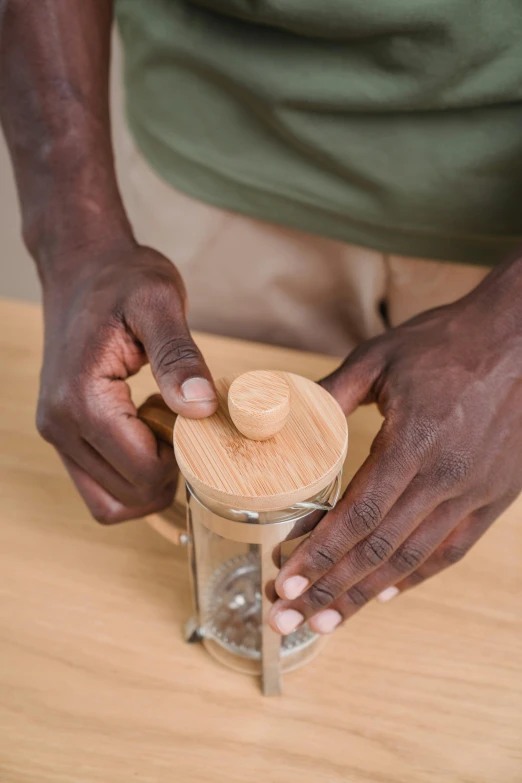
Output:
[[371, 494], [112, 427]]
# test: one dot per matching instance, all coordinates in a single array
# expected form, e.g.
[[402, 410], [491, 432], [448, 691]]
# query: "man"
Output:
[[302, 156]]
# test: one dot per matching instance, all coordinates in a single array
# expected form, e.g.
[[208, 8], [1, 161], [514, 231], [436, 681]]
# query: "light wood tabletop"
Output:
[[98, 686]]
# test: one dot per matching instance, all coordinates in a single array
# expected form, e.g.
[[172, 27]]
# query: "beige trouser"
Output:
[[260, 281]]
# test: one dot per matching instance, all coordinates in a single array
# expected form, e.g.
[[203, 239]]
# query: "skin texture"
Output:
[[110, 305], [446, 462]]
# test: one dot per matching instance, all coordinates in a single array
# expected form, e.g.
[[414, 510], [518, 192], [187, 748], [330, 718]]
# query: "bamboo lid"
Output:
[[275, 440]]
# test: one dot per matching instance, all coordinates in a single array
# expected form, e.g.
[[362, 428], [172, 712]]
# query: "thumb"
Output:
[[184, 380], [353, 383]]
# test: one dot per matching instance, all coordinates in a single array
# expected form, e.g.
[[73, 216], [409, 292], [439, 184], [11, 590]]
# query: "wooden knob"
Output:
[[259, 404]]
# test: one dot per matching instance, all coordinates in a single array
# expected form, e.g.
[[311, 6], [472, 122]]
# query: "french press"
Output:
[[259, 473]]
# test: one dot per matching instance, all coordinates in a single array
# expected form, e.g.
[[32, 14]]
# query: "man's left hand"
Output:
[[446, 462]]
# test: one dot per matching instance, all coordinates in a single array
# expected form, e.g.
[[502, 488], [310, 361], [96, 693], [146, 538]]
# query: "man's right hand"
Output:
[[121, 306], [110, 305]]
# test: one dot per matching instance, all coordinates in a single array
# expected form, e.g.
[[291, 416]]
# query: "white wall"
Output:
[[17, 276]]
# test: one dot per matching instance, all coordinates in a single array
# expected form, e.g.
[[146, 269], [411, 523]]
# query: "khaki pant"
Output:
[[260, 281]]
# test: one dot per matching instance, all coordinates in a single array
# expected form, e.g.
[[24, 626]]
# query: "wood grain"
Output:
[[259, 404], [97, 685], [292, 466]]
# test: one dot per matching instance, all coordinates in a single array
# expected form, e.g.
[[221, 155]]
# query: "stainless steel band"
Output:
[[251, 532]]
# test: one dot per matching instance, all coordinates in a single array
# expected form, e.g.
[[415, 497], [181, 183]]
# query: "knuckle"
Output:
[[363, 516], [144, 495], [160, 286], [164, 498], [176, 353], [374, 550], [357, 596], [452, 468], [153, 499], [321, 559], [407, 558], [45, 425], [423, 435], [149, 480], [453, 553], [105, 516], [416, 578], [50, 417], [386, 437], [320, 594]]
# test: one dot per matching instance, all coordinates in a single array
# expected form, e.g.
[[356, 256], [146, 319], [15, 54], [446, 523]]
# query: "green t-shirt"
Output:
[[393, 124]]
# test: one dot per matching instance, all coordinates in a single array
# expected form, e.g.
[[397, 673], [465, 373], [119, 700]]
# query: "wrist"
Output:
[[66, 221], [81, 253], [502, 292], [499, 302]]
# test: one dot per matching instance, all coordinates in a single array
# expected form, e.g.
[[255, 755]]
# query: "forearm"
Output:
[[54, 65]]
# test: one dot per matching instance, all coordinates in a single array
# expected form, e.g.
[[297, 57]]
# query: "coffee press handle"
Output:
[[158, 416], [170, 523]]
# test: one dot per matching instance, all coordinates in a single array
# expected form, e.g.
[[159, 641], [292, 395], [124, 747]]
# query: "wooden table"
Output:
[[97, 685]]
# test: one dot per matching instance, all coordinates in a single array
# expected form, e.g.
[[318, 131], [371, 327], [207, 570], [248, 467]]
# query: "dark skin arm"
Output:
[[445, 464], [110, 305]]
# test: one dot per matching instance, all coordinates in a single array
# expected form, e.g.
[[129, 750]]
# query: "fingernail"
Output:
[[326, 621], [198, 390], [388, 594], [288, 621], [294, 586]]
